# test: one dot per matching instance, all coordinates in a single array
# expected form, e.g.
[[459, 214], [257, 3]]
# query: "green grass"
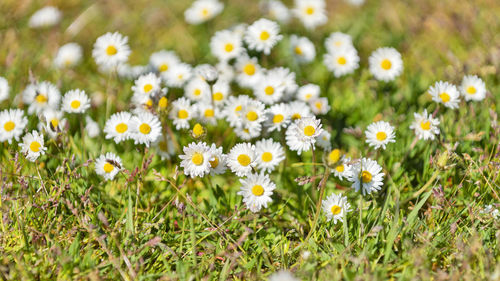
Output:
[[59, 220]]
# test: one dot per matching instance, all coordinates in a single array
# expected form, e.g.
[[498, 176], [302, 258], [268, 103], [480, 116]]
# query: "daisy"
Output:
[[386, 64], [75, 101], [241, 159], [342, 169], [356, 2], [262, 35], [298, 110], [269, 154], [217, 160], [302, 49], [202, 11], [4, 89], [445, 93], [197, 89], [342, 61], [253, 113], [91, 127], [308, 92], [165, 147], [335, 206], [145, 128], [32, 146], [269, 89], [248, 131], [319, 106], [311, 13], [366, 175], [196, 159], [323, 140], [248, 71], [198, 131], [45, 17], [233, 109], [301, 135], [111, 49], [226, 45], [41, 96], [338, 40], [208, 114], [282, 275], [178, 75], [379, 134], [276, 9], [108, 165], [118, 127], [147, 84], [68, 55], [287, 77], [206, 72], [220, 92], [182, 111], [425, 126], [163, 61], [130, 72], [52, 122], [12, 123], [473, 88], [256, 190], [278, 117], [225, 71]]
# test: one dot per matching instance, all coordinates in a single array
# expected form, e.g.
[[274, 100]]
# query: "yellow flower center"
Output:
[[204, 12], [267, 156], [149, 103], [214, 163], [308, 96], [334, 156], [244, 160], [264, 35], [75, 104], [41, 98], [163, 67], [381, 136], [108, 168], [144, 128], [54, 123], [35, 146], [425, 125], [309, 10], [197, 92], [298, 50], [197, 158], [121, 128], [182, 114], [296, 116], [111, 50], [335, 210], [238, 108], [252, 116], [198, 130], [257, 190], [278, 118], [341, 60], [218, 96], [366, 177], [9, 126], [269, 90], [209, 113], [340, 168], [444, 97], [318, 105], [163, 102], [386, 64], [229, 47], [249, 69], [309, 130], [471, 90], [147, 88], [338, 43]]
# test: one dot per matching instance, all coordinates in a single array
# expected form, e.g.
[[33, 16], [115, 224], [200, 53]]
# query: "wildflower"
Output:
[[269, 154], [379, 134], [386, 64], [366, 176], [68, 55], [198, 130], [242, 158], [233, 109], [165, 147], [52, 122], [262, 35], [75, 101], [319, 105], [335, 206], [91, 127], [182, 111], [287, 77], [41, 96], [445, 93], [147, 84], [308, 92], [473, 88], [178, 75], [45, 17], [342, 169], [12, 124], [207, 73], [203, 10], [118, 126], [207, 114], [32, 146], [256, 190], [277, 117], [301, 135], [302, 49], [226, 45], [248, 71], [425, 126], [269, 89], [276, 9], [196, 159], [4, 89], [298, 110], [163, 61], [217, 160], [111, 50], [311, 13], [323, 140], [338, 40], [145, 128], [220, 92], [108, 165], [342, 61], [197, 89]]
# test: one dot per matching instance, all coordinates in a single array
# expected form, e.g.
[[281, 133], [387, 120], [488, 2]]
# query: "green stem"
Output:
[[318, 204]]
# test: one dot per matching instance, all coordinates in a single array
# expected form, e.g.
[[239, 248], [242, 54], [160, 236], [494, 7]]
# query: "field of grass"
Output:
[[61, 221]]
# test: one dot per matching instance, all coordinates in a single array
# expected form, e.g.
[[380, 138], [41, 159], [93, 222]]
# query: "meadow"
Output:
[[429, 220]]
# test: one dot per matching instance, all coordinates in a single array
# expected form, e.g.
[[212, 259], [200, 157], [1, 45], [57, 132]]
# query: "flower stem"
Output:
[[322, 186]]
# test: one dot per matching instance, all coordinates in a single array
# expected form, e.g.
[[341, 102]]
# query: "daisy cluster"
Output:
[[270, 113]]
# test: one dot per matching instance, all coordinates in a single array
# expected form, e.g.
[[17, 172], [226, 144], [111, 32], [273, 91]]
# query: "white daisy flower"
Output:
[[253, 113], [111, 49], [217, 160], [262, 35], [163, 61], [323, 140], [269, 155], [165, 147], [248, 131], [366, 175], [276, 10], [226, 45], [220, 91], [233, 108], [178, 75], [335, 206], [127, 71], [342, 169], [52, 122], [118, 126], [108, 165], [248, 71], [145, 128], [425, 126], [68, 55], [206, 72], [91, 127], [256, 190], [4, 89], [308, 92], [41, 96], [445, 93], [338, 40], [356, 2], [75, 101], [282, 275], [302, 49], [147, 84], [12, 124], [298, 110], [342, 61], [278, 117], [196, 159], [288, 79], [226, 72], [301, 135], [311, 13], [182, 111], [379, 134], [203, 10], [208, 114], [319, 106], [197, 90], [241, 159], [472, 88], [269, 89], [45, 17], [32, 146], [386, 64]]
